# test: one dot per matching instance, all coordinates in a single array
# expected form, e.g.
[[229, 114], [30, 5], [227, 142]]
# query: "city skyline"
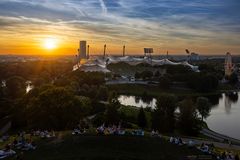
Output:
[[56, 27]]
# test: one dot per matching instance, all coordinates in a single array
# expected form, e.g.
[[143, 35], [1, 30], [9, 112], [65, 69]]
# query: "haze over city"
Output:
[[51, 27]]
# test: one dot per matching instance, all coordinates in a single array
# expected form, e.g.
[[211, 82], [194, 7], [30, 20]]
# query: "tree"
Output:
[[16, 86], [147, 74], [163, 117], [157, 74], [102, 93], [142, 121], [188, 121], [111, 114], [202, 82], [233, 78], [56, 108], [164, 83], [203, 107], [137, 75]]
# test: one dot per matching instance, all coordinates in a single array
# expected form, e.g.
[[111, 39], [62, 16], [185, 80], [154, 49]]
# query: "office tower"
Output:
[[83, 49]]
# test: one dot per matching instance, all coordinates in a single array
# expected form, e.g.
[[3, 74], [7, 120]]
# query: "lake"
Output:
[[224, 116]]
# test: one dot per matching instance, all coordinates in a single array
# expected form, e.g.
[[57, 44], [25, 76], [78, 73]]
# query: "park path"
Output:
[[216, 144], [219, 137]]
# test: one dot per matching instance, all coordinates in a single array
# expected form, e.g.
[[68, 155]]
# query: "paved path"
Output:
[[216, 144], [219, 137]]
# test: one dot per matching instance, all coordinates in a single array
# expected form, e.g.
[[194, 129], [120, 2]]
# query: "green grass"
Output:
[[154, 91], [107, 147]]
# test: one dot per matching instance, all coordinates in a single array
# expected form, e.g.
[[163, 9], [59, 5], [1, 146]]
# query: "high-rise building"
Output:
[[104, 50], [228, 65], [124, 49], [148, 52], [82, 52]]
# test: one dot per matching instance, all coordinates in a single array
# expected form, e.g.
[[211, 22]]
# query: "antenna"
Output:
[[104, 51], [88, 54], [124, 48], [188, 53]]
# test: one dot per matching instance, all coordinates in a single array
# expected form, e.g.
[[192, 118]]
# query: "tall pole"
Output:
[[124, 47], [88, 55], [104, 51]]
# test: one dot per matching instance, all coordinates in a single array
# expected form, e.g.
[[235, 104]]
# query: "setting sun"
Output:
[[50, 43]]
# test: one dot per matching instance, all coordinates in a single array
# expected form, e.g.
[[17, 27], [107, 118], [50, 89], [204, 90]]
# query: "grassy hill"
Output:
[[108, 147]]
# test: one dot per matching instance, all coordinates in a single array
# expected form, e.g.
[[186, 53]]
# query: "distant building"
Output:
[[82, 51], [148, 52], [194, 57], [228, 65]]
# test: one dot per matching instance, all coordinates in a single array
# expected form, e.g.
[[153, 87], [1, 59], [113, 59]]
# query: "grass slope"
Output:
[[108, 147]]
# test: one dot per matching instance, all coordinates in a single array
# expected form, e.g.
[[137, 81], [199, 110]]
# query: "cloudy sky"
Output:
[[203, 26]]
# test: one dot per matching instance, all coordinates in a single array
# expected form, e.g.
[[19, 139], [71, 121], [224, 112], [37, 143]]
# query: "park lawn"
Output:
[[90, 147], [154, 91]]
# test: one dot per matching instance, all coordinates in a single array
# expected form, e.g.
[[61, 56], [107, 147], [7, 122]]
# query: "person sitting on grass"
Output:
[[138, 132], [191, 143], [78, 131], [7, 152], [120, 131], [29, 145], [204, 148], [180, 141], [100, 130], [154, 133], [176, 141]]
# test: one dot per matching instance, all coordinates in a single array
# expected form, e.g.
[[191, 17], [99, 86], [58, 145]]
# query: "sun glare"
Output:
[[50, 43]]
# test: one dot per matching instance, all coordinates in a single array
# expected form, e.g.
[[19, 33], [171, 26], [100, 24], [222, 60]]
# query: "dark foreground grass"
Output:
[[108, 148]]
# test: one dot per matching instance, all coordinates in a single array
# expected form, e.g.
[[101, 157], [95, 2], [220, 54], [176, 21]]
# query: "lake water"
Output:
[[29, 86], [224, 116]]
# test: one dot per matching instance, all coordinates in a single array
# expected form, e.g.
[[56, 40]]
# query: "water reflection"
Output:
[[137, 101], [230, 98], [29, 86], [3, 83], [227, 105]]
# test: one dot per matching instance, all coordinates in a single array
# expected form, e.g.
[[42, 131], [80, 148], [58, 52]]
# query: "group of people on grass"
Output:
[[117, 130], [25, 144], [20, 143], [110, 130], [155, 133], [209, 148], [179, 141], [205, 148], [43, 134], [228, 156]]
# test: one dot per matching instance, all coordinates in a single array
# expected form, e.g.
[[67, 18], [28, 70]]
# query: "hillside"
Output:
[[108, 147]]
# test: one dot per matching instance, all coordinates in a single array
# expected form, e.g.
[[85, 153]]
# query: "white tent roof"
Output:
[[99, 63], [93, 68]]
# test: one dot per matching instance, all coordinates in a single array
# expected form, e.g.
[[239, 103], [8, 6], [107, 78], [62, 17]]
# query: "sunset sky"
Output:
[[56, 26]]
